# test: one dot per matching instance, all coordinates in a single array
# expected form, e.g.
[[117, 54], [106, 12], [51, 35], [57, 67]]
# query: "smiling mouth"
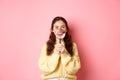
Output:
[[60, 34]]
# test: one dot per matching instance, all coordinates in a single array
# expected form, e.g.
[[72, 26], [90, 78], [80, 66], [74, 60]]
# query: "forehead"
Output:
[[60, 22]]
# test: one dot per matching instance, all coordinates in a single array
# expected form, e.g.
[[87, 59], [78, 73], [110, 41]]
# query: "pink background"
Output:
[[25, 26]]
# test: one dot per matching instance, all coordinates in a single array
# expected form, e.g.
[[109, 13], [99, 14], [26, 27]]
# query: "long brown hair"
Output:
[[52, 38]]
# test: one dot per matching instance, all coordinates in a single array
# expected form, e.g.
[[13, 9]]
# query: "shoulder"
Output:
[[74, 45], [44, 45], [75, 49]]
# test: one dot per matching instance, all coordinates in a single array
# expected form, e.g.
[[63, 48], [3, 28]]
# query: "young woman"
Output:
[[59, 58]]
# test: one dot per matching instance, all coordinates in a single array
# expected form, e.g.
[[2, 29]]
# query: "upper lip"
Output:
[[60, 32]]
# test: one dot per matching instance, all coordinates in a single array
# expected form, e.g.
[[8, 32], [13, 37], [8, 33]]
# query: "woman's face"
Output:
[[59, 29]]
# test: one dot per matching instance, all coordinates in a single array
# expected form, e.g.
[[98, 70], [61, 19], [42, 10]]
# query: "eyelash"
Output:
[[57, 27]]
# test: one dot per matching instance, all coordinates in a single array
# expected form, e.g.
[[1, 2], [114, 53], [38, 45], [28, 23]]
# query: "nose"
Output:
[[59, 28]]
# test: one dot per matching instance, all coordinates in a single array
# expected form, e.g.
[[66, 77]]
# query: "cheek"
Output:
[[65, 30], [54, 30], [55, 33]]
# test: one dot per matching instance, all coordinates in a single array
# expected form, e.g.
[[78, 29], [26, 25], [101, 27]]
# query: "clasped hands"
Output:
[[60, 48]]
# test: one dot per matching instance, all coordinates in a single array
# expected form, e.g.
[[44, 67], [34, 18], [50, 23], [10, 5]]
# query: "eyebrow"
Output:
[[61, 25]]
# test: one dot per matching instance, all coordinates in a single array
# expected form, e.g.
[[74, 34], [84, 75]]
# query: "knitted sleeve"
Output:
[[48, 64], [71, 64]]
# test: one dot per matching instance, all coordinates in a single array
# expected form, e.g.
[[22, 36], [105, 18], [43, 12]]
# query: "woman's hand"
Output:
[[60, 48]]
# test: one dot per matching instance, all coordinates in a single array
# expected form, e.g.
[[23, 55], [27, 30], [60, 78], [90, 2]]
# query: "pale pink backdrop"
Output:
[[25, 26]]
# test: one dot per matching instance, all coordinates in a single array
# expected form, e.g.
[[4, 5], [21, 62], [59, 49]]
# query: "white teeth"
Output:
[[59, 33]]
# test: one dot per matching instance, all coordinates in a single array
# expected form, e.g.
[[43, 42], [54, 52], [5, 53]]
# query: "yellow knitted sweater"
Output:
[[59, 66]]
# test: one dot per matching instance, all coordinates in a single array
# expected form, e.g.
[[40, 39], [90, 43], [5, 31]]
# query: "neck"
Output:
[[58, 40]]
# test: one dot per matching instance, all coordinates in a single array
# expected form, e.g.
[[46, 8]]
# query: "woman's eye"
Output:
[[56, 27], [63, 26]]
